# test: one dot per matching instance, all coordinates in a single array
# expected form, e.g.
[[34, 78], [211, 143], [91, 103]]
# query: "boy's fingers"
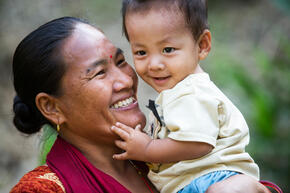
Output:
[[122, 156], [138, 127], [121, 144], [123, 134], [124, 127]]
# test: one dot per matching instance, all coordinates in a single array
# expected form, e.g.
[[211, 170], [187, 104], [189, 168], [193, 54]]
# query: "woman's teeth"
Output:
[[123, 103]]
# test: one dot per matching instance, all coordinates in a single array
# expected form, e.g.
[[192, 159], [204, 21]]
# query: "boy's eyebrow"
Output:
[[138, 45], [165, 40]]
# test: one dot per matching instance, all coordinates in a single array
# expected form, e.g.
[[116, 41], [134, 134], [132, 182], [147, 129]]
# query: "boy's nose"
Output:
[[156, 64]]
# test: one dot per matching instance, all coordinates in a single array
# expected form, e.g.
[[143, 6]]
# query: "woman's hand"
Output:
[[238, 184]]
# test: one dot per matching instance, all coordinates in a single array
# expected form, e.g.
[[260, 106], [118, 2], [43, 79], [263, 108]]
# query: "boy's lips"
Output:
[[160, 81]]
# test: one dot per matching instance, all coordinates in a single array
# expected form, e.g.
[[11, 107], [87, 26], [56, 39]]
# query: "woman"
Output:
[[69, 75]]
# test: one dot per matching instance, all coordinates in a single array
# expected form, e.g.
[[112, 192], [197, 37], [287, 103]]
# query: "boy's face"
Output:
[[164, 50]]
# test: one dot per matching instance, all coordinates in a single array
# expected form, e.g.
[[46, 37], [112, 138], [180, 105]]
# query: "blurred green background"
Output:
[[249, 61]]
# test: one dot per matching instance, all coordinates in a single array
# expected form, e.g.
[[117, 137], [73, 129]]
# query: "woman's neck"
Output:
[[101, 155]]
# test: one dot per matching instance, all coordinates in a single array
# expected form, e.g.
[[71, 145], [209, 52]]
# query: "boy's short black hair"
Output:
[[194, 12]]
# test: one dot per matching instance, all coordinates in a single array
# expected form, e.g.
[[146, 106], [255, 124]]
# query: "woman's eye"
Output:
[[101, 72], [168, 50], [120, 62], [141, 53]]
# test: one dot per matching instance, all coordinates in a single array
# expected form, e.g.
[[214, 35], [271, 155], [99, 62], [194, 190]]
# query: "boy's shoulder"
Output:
[[194, 84]]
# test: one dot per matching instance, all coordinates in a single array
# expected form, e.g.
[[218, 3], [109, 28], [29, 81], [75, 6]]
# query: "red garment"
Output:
[[39, 180], [77, 174]]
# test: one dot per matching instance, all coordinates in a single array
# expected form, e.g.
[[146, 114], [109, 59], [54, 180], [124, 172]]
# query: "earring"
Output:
[[57, 128]]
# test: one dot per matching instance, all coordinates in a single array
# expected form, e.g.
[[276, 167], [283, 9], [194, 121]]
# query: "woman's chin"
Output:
[[132, 119]]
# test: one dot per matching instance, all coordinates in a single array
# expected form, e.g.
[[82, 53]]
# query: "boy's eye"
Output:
[[168, 50], [141, 53]]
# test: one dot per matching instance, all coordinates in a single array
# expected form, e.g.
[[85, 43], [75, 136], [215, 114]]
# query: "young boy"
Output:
[[197, 136]]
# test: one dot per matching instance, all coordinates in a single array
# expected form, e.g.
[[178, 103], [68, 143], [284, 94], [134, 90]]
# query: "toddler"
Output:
[[196, 136]]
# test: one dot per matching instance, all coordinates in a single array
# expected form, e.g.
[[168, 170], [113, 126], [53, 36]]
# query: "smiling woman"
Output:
[[91, 87], [101, 83], [69, 75]]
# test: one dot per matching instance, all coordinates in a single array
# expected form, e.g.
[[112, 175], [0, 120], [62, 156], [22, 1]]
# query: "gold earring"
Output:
[[57, 128]]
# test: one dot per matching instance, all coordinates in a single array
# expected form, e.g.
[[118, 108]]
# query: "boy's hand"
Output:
[[134, 142]]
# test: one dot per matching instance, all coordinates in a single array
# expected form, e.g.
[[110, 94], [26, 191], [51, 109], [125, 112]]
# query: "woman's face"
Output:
[[98, 88]]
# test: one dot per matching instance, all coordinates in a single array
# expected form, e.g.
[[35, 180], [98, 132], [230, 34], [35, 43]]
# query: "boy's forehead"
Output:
[[157, 26], [172, 13], [172, 17], [156, 5]]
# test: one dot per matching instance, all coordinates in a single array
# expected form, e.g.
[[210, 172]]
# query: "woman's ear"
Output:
[[48, 106], [204, 43]]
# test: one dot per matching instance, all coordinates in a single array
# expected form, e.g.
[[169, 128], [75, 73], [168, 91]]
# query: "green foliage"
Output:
[[283, 4], [49, 135], [261, 90]]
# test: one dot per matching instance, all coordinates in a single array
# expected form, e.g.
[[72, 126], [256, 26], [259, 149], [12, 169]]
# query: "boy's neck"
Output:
[[198, 69]]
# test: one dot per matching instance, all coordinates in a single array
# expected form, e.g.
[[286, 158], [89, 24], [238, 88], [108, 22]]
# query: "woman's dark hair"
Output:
[[194, 12], [38, 67]]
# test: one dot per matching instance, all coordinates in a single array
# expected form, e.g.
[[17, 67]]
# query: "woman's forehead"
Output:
[[87, 41]]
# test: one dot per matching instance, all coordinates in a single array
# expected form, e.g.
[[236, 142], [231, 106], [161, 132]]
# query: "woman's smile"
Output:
[[125, 104]]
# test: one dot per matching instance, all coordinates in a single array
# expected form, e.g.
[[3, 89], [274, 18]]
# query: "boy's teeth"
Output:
[[123, 103]]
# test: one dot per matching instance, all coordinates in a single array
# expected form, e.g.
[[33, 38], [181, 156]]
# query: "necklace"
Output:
[[140, 174]]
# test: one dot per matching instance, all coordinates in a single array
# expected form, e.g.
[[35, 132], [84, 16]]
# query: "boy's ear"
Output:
[[48, 106], [204, 43]]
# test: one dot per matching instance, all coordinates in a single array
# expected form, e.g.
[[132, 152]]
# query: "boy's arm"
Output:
[[139, 146]]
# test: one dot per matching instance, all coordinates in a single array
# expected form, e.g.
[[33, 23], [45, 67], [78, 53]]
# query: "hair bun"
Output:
[[24, 119]]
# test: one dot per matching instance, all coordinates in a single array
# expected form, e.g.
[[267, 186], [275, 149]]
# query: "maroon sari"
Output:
[[77, 174]]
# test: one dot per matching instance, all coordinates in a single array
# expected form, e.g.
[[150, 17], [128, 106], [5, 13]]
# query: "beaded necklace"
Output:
[[140, 174]]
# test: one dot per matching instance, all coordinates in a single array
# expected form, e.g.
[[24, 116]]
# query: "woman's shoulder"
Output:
[[41, 179]]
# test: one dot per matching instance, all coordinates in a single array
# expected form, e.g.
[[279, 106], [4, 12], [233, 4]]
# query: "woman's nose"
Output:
[[123, 80], [156, 64]]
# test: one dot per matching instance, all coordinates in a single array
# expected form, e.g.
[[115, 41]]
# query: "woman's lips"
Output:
[[125, 104]]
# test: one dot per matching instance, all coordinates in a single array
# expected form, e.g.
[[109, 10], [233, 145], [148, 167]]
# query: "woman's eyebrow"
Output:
[[96, 64], [118, 52]]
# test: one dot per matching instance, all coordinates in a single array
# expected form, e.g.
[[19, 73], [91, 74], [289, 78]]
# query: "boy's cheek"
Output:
[[140, 68]]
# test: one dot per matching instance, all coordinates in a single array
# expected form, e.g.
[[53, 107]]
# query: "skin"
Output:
[[165, 52], [238, 184], [80, 89], [92, 83]]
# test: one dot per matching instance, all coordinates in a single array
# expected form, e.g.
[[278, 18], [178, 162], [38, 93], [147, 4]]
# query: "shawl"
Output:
[[77, 174]]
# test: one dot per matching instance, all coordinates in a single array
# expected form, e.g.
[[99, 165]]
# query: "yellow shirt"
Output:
[[196, 110]]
